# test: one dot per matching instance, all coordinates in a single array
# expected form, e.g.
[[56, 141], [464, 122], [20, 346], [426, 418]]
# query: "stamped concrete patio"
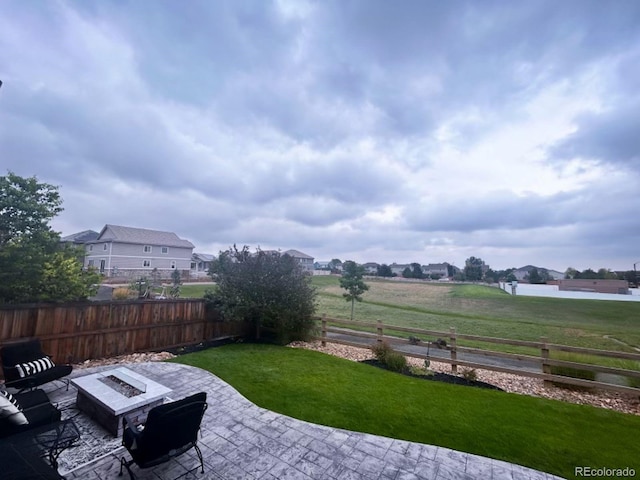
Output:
[[240, 440]]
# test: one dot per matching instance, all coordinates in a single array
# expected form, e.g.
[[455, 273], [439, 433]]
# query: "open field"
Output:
[[548, 435], [487, 311]]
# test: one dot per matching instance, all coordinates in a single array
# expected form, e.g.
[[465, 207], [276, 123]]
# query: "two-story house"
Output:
[[304, 260], [399, 268], [133, 252], [371, 268], [437, 269]]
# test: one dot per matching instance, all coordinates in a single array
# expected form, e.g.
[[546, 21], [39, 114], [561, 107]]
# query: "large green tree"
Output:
[[26, 208], [33, 265], [267, 289], [384, 270], [473, 269], [352, 282]]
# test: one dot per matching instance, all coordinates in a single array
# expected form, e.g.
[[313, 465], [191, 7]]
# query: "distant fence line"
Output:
[[74, 332], [546, 363]]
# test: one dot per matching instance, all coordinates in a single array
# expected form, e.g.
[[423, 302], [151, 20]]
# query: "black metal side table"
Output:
[[56, 439]]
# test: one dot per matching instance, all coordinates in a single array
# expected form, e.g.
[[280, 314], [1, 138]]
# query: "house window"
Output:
[[165, 250], [173, 265], [91, 248], [193, 265], [104, 247], [147, 249], [90, 264], [146, 263]]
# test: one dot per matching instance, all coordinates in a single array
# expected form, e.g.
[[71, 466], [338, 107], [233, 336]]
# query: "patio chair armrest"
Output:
[[128, 421]]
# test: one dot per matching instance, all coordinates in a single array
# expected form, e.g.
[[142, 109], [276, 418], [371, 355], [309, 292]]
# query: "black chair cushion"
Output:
[[40, 378]]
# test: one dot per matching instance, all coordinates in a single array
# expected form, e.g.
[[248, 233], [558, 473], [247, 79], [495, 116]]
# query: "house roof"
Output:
[[297, 254], [142, 236], [81, 237], [434, 266], [203, 257]]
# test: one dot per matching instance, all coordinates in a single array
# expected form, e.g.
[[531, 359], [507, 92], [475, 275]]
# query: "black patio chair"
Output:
[[170, 430], [26, 366]]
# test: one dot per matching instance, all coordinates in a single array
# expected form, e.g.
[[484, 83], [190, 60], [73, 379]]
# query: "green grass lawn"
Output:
[[194, 291], [487, 311], [543, 434]]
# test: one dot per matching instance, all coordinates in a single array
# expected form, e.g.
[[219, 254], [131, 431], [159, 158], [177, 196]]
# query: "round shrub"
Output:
[[121, 293], [395, 361], [381, 350]]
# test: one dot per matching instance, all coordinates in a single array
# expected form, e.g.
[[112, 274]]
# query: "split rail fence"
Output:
[[89, 330], [545, 361]]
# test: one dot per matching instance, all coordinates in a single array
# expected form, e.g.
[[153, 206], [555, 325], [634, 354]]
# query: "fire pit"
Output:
[[124, 384], [108, 396]]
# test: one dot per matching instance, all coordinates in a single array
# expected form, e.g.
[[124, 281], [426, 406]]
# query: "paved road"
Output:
[[435, 353]]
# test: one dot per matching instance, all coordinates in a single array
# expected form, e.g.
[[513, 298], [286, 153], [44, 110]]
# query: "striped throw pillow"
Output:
[[30, 368], [10, 409]]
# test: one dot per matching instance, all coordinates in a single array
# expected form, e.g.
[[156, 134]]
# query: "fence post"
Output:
[[380, 332], [544, 353], [454, 354], [324, 330]]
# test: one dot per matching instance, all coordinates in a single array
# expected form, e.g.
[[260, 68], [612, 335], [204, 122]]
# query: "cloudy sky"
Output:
[[408, 131]]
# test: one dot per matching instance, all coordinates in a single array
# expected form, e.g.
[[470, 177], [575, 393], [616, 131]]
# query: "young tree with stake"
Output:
[[353, 283]]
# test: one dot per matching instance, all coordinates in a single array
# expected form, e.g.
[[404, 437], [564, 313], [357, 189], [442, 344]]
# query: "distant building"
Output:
[[133, 252], [80, 238], [441, 269], [200, 264], [304, 260], [523, 272], [398, 268], [599, 286], [371, 268]]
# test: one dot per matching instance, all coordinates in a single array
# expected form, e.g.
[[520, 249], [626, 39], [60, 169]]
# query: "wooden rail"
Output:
[[75, 332], [544, 360]]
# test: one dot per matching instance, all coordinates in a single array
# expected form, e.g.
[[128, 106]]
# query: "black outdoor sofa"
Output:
[[36, 408], [23, 417]]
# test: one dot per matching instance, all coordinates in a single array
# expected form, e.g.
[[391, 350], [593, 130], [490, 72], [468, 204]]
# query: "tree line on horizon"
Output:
[[476, 270]]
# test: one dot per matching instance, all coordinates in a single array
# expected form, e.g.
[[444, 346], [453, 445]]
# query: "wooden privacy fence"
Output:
[[77, 332], [543, 360]]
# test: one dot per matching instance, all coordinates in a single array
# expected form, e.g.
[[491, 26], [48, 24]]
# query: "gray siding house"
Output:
[[304, 260], [200, 264], [441, 269], [398, 268], [133, 252], [371, 268]]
